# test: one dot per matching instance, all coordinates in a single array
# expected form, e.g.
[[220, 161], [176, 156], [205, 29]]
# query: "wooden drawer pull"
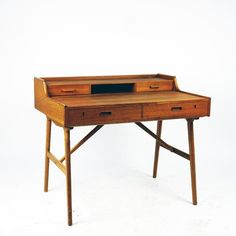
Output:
[[154, 87], [105, 113], [68, 90], [176, 108]]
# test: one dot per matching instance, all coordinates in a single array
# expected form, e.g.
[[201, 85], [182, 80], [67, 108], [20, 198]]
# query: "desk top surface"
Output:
[[126, 98]]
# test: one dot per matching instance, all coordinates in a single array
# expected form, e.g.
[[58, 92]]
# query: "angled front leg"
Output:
[[157, 148], [47, 149], [68, 174], [192, 160]]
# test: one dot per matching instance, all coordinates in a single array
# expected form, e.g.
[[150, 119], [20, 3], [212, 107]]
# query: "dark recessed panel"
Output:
[[111, 88]]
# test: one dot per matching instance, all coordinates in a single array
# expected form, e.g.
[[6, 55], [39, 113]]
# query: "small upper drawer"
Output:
[[69, 89], [154, 86]]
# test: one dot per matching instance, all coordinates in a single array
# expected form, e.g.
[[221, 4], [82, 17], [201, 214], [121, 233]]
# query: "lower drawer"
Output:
[[176, 110], [104, 115]]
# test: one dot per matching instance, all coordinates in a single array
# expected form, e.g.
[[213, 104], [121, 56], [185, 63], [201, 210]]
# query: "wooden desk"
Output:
[[100, 100]]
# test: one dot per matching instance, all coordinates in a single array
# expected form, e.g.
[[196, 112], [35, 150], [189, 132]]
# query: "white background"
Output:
[[113, 189]]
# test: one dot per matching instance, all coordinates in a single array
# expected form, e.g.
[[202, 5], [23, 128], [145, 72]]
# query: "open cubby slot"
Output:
[[112, 88]]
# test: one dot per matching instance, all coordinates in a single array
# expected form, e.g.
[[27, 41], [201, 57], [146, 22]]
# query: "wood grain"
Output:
[[126, 98], [154, 86], [54, 110], [171, 110], [105, 115], [68, 89]]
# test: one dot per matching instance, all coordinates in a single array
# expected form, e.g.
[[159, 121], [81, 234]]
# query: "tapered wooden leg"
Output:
[[47, 149], [68, 174], [157, 148], [192, 160]]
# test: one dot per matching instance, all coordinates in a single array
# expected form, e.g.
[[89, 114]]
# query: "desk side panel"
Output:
[[51, 108], [208, 99]]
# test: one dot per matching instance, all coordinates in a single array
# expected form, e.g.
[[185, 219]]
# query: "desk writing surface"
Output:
[[127, 98]]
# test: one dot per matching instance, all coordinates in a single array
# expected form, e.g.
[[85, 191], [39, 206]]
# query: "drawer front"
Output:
[[57, 90], [176, 110], [154, 86], [105, 115]]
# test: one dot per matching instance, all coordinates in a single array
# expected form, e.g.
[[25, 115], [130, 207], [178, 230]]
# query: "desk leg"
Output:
[[47, 149], [68, 174], [192, 160], [156, 157]]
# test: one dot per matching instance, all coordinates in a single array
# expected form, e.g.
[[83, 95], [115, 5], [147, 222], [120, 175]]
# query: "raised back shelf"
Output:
[[102, 85]]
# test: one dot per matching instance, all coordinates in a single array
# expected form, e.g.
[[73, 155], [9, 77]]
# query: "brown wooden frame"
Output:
[[101, 100]]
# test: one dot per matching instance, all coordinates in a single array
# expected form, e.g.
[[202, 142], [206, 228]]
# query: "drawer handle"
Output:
[[176, 108], [154, 87], [68, 90], [105, 113]]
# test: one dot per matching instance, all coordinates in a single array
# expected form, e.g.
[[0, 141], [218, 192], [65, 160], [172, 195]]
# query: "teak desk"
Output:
[[100, 100]]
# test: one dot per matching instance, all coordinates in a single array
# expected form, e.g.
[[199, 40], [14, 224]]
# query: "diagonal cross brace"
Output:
[[56, 162], [162, 143], [82, 141]]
